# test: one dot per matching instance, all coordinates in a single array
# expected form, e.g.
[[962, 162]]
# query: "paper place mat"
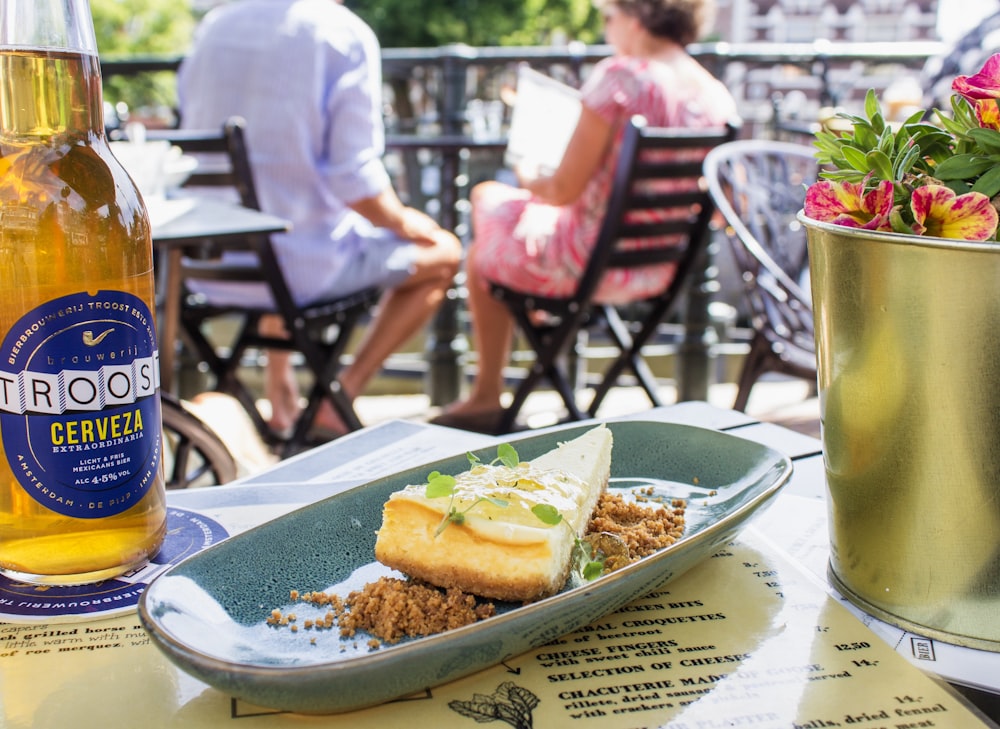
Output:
[[187, 532]]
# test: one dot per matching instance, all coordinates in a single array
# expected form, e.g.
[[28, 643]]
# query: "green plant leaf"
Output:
[[987, 139], [865, 136], [879, 162], [872, 108], [887, 141], [963, 167], [963, 113], [904, 163], [857, 159], [843, 175], [899, 225], [593, 570], [989, 183]]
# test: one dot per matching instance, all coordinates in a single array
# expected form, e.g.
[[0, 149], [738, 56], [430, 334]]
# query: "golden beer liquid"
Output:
[[54, 157]]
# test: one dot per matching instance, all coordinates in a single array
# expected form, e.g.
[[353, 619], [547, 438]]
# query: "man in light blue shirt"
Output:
[[306, 76]]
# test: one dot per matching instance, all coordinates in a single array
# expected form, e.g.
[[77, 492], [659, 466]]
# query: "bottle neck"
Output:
[[50, 94]]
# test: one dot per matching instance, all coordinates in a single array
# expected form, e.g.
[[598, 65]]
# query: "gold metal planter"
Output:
[[908, 341]]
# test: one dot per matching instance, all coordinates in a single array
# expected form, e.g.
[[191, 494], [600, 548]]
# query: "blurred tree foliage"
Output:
[[479, 22], [127, 28]]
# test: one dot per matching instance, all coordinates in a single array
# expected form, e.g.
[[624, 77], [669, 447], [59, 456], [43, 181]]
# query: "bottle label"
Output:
[[79, 404]]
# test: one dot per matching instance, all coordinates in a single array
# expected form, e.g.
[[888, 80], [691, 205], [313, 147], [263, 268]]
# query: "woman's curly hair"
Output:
[[682, 21]]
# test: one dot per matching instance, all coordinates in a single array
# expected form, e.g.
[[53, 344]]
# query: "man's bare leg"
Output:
[[401, 313], [280, 385]]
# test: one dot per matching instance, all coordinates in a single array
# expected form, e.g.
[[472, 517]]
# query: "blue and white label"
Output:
[[79, 410]]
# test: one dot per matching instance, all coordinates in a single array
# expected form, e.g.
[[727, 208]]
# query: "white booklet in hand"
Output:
[[542, 122]]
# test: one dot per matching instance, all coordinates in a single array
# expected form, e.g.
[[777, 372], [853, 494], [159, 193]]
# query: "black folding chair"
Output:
[[320, 331], [658, 213], [759, 186]]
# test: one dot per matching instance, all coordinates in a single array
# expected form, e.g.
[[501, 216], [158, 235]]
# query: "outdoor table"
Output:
[[752, 636], [185, 223]]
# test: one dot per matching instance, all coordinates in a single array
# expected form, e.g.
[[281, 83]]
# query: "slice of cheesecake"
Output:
[[484, 537]]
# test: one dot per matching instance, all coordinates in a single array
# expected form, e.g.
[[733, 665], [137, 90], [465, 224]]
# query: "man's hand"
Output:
[[419, 227], [385, 210]]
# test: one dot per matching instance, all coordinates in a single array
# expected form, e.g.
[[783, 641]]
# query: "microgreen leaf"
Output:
[[439, 485], [507, 455], [451, 516], [587, 563], [547, 514]]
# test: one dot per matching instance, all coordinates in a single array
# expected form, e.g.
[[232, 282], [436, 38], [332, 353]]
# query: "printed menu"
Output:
[[744, 639], [542, 122]]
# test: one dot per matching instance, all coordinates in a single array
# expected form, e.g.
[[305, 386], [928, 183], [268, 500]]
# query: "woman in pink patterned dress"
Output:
[[536, 237]]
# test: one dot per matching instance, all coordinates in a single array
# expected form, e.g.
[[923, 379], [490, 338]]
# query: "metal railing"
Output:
[[447, 77]]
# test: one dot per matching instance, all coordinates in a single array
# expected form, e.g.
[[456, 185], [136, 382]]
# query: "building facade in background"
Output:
[[805, 21]]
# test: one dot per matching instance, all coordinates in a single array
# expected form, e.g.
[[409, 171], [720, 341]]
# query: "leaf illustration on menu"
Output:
[[510, 703]]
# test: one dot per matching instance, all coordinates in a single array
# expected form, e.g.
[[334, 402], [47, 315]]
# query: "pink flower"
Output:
[[911, 174], [988, 114], [983, 85], [846, 203], [939, 212]]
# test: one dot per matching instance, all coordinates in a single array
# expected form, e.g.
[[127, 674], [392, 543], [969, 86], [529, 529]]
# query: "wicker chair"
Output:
[[758, 187]]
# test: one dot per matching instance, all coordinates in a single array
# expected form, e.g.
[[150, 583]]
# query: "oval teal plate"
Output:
[[209, 613]]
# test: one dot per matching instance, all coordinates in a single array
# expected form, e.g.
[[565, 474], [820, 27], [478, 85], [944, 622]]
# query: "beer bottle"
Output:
[[81, 475]]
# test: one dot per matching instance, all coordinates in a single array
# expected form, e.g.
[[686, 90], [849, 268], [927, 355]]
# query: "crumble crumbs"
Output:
[[390, 608], [643, 527]]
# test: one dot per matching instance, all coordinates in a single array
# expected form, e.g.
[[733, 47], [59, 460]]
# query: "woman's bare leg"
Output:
[[492, 329]]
